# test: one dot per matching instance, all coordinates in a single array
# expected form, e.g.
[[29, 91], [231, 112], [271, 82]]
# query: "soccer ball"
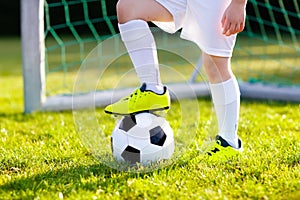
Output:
[[143, 138]]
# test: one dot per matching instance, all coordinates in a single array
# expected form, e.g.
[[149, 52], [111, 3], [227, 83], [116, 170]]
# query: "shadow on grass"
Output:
[[84, 177], [17, 117], [88, 177]]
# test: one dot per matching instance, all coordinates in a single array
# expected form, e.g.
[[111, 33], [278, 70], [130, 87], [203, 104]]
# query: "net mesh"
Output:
[[266, 51], [72, 29]]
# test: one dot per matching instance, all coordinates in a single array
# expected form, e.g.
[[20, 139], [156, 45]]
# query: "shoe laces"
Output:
[[137, 95]]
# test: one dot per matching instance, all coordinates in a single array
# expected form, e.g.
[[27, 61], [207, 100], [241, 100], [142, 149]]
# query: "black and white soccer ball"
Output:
[[143, 138]]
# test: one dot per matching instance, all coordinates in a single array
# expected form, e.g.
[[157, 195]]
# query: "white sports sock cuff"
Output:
[[134, 30], [226, 92]]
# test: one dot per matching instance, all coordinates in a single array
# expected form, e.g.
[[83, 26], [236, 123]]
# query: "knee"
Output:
[[125, 10], [217, 68]]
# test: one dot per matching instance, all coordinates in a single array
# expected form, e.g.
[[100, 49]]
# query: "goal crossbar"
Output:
[[178, 91]]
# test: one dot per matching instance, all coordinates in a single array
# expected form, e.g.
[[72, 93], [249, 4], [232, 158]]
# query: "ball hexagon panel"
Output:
[[131, 154], [139, 133], [138, 142], [117, 153], [157, 136], [127, 123], [119, 139], [168, 150], [151, 153]]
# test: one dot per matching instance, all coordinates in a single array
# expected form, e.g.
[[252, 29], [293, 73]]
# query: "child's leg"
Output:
[[138, 39], [141, 48], [140, 44], [225, 95]]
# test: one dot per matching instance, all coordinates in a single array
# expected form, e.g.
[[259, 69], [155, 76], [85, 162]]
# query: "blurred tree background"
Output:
[[10, 17]]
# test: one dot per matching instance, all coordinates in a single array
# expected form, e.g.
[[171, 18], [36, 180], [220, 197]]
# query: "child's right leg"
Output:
[[138, 39]]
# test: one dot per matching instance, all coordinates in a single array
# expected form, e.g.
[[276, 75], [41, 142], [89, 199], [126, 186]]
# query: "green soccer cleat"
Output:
[[141, 100], [221, 150]]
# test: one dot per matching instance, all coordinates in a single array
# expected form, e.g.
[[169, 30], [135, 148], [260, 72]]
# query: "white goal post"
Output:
[[33, 62], [33, 54]]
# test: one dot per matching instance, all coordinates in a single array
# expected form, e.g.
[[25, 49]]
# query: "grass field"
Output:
[[42, 157]]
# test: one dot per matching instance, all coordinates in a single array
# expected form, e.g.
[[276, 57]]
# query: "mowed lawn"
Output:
[[42, 157]]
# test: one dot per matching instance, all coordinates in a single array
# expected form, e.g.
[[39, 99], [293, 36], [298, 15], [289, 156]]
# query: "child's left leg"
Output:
[[225, 95]]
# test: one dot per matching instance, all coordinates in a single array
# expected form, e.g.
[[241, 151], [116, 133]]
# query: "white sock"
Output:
[[226, 99], [141, 47]]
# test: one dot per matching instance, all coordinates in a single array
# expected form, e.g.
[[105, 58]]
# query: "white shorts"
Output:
[[200, 21]]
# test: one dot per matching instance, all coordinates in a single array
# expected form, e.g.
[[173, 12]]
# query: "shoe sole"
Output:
[[135, 113]]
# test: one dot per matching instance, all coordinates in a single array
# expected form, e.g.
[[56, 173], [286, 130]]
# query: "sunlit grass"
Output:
[[42, 157]]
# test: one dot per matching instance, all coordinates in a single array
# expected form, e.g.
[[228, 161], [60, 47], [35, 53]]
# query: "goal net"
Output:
[[65, 41]]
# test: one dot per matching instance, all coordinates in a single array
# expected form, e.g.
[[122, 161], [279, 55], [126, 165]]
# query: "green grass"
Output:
[[42, 157]]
